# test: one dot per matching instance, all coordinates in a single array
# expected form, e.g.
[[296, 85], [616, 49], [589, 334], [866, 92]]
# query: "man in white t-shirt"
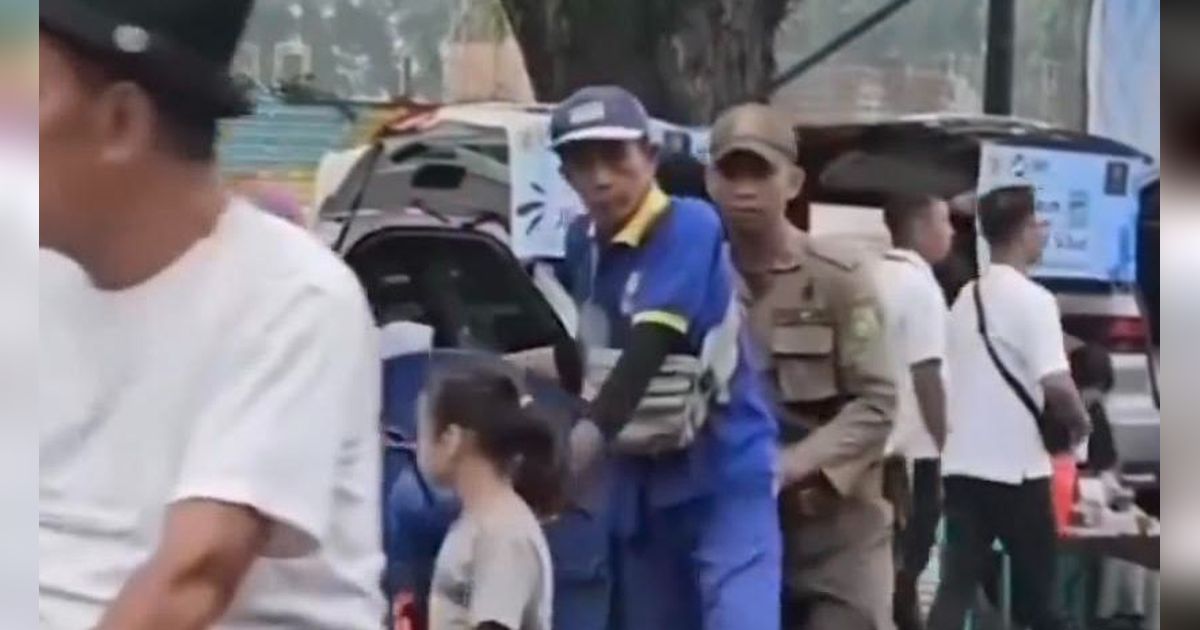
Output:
[[996, 468], [914, 310], [209, 452]]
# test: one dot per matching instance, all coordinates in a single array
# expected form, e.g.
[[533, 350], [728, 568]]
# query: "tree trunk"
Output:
[[686, 59]]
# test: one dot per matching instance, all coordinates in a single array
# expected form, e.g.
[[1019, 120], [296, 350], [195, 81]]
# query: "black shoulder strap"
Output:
[[1008, 377]]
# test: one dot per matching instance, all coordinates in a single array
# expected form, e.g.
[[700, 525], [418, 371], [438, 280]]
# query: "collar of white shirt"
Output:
[[1004, 269], [909, 256]]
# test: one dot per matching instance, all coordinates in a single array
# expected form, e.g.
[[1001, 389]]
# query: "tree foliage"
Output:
[[686, 59]]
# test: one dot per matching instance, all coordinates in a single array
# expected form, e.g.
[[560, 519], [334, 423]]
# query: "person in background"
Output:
[[696, 541], [816, 314], [682, 175], [479, 438], [1124, 590], [1092, 371], [210, 452], [996, 467], [958, 268], [915, 316]]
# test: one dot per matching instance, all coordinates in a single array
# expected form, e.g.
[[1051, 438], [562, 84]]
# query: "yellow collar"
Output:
[[653, 205]]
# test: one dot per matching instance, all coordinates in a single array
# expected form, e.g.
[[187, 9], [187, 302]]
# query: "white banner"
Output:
[[1088, 200], [544, 205], [1123, 72]]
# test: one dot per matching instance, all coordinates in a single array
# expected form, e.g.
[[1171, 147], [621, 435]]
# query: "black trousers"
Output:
[[1022, 517], [914, 542]]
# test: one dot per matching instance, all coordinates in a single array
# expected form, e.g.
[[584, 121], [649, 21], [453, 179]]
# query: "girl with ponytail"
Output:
[[478, 435]]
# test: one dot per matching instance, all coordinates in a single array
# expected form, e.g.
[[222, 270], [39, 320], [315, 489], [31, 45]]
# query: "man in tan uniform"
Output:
[[816, 316]]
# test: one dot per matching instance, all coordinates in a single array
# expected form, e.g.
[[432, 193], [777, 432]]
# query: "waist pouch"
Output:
[[673, 410], [681, 396]]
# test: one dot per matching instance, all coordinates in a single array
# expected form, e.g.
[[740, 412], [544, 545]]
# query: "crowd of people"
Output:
[[210, 455]]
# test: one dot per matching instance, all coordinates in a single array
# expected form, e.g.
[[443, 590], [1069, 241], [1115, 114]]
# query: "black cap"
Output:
[[180, 48], [603, 112]]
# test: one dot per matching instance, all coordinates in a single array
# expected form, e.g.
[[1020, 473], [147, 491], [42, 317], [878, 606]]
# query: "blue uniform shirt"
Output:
[[670, 265]]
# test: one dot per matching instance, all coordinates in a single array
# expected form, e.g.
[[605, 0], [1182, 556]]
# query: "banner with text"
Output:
[[1089, 202]]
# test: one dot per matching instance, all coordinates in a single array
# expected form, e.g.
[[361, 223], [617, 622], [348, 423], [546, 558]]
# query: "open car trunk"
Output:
[[466, 286]]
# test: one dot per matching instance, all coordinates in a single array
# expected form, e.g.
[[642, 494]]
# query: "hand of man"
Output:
[[539, 361], [785, 476], [812, 497], [586, 446], [791, 469]]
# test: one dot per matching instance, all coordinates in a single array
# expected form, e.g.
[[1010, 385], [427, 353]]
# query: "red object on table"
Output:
[[404, 613], [1064, 490]]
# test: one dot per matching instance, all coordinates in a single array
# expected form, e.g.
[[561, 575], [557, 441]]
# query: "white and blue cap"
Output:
[[603, 112]]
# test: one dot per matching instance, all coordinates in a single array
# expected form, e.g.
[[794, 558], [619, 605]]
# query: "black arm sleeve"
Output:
[[649, 344]]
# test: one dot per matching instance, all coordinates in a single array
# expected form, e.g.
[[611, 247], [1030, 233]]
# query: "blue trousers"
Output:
[[713, 563]]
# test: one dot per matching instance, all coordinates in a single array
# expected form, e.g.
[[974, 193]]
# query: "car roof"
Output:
[[926, 129], [862, 162]]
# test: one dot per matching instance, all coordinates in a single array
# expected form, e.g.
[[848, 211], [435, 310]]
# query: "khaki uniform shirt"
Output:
[[819, 321]]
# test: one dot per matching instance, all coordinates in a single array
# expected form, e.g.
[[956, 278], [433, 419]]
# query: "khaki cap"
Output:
[[757, 128]]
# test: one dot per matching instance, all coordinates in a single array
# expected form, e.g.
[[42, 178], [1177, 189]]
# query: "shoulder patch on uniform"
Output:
[[864, 323], [838, 252]]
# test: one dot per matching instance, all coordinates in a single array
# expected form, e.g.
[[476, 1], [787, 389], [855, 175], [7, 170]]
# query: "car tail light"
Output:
[[1125, 334], [404, 613], [1116, 333]]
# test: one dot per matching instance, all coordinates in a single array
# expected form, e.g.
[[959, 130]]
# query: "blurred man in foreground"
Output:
[[816, 315], [209, 452]]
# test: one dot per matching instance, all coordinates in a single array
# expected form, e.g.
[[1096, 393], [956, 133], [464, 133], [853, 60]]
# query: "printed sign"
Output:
[[544, 205], [1087, 200]]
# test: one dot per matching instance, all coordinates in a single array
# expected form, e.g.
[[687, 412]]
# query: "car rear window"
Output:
[[467, 288]]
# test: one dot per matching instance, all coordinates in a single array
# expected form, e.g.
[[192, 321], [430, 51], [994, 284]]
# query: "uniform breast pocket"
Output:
[[805, 365]]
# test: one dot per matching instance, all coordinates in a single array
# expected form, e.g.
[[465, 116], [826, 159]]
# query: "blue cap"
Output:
[[602, 112]]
